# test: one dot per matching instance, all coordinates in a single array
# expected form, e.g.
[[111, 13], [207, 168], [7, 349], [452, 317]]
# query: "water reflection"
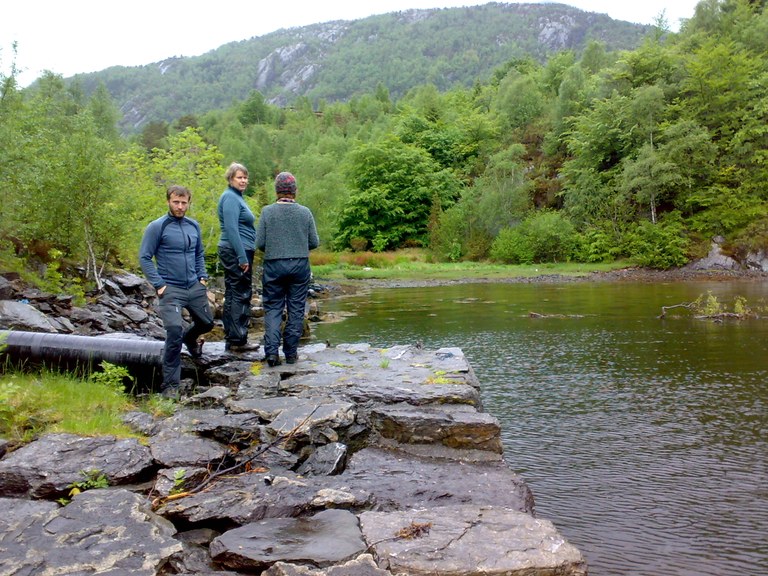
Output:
[[643, 439]]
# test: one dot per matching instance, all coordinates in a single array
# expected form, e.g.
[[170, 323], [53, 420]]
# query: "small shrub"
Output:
[[597, 245], [741, 307], [662, 245], [708, 305], [92, 479], [358, 244], [545, 236], [179, 479], [112, 376]]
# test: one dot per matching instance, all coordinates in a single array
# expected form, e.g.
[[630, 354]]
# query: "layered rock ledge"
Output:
[[354, 461]]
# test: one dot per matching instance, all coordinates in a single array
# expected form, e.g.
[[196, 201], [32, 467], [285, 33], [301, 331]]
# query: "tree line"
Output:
[[644, 154]]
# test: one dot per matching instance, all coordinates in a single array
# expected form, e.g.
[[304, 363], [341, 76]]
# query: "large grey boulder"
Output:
[[469, 541], [48, 467], [324, 539], [110, 531], [21, 316]]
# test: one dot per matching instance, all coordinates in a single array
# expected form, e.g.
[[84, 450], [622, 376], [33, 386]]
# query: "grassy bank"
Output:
[[415, 264], [45, 401]]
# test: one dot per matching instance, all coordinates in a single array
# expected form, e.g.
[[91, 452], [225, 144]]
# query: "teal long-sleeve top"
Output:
[[237, 224]]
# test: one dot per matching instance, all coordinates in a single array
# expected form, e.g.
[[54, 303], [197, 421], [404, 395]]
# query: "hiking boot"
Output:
[[195, 349], [170, 392], [273, 360], [244, 347], [291, 358]]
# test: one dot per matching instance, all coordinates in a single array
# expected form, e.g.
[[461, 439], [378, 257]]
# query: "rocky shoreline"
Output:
[[622, 275], [354, 461]]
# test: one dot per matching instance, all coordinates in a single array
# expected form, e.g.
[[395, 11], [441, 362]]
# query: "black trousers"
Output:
[[285, 284], [238, 291], [172, 302]]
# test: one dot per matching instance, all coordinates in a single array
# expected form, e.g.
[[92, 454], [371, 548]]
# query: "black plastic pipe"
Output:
[[142, 358]]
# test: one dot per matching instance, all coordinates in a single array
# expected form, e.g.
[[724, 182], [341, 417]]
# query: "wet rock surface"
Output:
[[354, 461]]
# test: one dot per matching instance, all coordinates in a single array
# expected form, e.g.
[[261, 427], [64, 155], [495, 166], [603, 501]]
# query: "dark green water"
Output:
[[644, 440]]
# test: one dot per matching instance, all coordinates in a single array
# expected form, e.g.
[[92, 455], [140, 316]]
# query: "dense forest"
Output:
[[644, 154]]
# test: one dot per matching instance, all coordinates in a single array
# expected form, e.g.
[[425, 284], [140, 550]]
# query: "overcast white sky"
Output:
[[73, 36]]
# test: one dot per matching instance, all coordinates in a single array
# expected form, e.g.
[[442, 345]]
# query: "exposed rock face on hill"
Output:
[[353, 461], [338, 60]]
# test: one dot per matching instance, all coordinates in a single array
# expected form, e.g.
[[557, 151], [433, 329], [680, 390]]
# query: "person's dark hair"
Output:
[[233, 169], [179, 191]]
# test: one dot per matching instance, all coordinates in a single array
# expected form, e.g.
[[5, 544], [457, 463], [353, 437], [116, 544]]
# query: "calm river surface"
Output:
[[644, 440]]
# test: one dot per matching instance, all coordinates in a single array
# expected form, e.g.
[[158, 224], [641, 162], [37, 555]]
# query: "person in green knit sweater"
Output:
[[286, 232]]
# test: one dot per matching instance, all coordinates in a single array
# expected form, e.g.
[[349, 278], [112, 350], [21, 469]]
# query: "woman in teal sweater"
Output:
[[236, 249]]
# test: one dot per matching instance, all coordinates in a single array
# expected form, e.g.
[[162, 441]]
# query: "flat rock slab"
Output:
[[47, 467], [464, 541], [396, 482], [328, 537], [43, 538], [248, 498], [453, 425], [183, 449]]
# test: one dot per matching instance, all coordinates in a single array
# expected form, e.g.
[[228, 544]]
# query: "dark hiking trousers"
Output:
[[285, 285], [238, 291], [172, 302]]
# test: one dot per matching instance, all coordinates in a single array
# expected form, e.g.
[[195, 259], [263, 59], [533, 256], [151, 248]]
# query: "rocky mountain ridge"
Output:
[[337, 60]]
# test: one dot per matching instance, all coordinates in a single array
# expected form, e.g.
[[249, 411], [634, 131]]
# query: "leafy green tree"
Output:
[[393, 187], [690, 147], [519, 102], [255, 110], [595, 57], [649, 177], [719, 85], [502, 195], [153, 135], [105, 114], [191, 162]]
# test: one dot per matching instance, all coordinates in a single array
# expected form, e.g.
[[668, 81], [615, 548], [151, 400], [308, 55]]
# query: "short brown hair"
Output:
[[179, 191]]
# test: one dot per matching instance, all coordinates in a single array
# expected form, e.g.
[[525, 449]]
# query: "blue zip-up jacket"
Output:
[[177, 248], [237, 224]]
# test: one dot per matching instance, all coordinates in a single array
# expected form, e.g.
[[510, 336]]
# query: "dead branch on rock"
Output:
[[414, 530], [717, 317], [540, 315], [688, 305], [240, 467]]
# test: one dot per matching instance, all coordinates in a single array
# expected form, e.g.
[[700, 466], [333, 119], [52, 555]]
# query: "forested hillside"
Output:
[[336, 61], [590, 155]]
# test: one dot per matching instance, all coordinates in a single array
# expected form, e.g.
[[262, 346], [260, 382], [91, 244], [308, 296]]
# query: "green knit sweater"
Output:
[[286, 230]]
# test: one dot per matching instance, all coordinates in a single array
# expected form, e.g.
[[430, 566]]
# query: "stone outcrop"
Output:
[[126, 304], [354, 461]]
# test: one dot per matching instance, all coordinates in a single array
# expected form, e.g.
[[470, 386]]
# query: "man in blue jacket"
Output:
[[171, 257]]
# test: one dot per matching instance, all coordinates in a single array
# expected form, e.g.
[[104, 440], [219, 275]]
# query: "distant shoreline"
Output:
[[623, 275]]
